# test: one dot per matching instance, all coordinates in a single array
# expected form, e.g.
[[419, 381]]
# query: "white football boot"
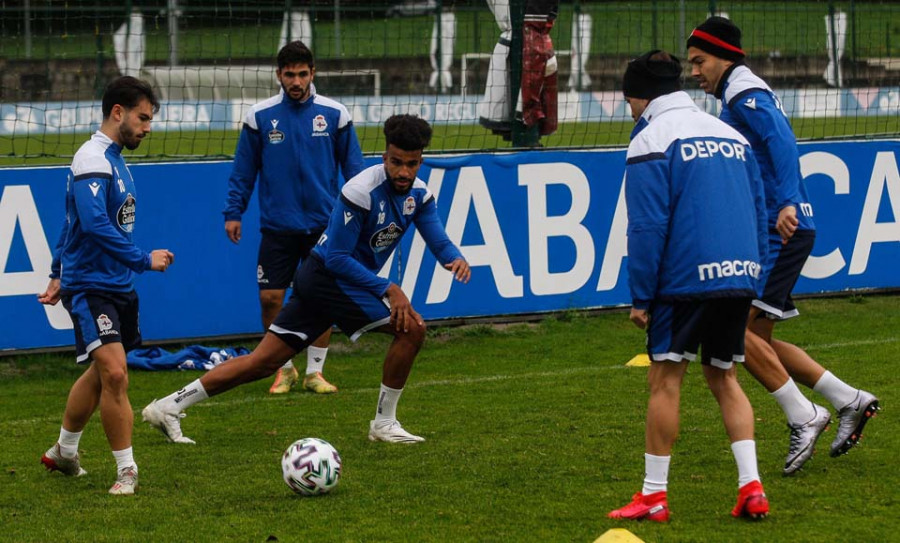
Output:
[[390, 431]]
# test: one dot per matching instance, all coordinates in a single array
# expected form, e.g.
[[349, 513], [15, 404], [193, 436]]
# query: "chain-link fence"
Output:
[[835, 64]]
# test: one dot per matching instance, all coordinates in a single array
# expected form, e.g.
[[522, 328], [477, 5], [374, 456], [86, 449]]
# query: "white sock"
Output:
[[745, 456], [315, 359], [124, 459], [68, 442], [184, 398], [839, 393], [796, 406], [656, 477], [289, 365], [387, 403]]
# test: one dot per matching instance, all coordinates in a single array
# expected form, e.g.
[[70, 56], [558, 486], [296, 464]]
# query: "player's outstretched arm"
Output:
[[51, 295], [460, 270]]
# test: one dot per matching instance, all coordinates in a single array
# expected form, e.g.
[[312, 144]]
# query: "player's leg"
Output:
[[292, 331], [397, 365], [84, 397], [89, 315], [806, 420], [116, 414], [314, 379], [166, 413], [357, 311], [277, 260], [114, 372], [724, 323], [671, 342]]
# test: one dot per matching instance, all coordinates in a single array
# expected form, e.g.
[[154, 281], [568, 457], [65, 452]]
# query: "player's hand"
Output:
[[639, 318], [233, 230], [460, 269], [51, 295], [402, 312], [787, 223], [161, 259]]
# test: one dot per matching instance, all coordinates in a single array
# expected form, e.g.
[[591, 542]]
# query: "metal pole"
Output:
[[837, 61], [337, 28], [577, 39], [681, 39], [99, 83], [27, 29], [853, 36], [440, 48], [288, 18], [655, 31], [172, 19]]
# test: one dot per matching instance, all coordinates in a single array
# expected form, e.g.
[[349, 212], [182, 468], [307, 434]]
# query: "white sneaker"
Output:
[[126, 482], [391, 432], [53, 460], [167, 423]]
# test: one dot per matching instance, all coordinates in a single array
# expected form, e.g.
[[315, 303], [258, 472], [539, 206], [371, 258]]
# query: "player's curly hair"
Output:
[[295, 52], [407, 132]]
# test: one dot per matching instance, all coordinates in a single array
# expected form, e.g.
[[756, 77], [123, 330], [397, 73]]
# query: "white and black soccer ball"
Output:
[[311, 466]]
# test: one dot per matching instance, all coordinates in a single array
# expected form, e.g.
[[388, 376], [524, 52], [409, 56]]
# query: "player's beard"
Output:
[[129, 139], [303, 96], [408, 188]]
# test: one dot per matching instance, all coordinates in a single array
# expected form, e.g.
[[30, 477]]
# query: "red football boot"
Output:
[[650, 507], [752, 502]]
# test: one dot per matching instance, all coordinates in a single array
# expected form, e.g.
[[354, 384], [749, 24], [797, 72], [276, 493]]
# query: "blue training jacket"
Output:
[[95, 250], [696, 209], [368, 221], [753, 109], [298, 149]]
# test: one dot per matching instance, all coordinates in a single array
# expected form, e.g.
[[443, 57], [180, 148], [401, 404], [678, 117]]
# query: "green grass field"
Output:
[[534, 432], [59, 149]]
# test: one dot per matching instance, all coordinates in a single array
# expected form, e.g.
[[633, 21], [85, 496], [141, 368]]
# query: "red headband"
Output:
[[716, 41]]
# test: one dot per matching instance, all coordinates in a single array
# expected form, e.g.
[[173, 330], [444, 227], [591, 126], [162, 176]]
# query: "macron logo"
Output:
[[95, 187], [728, 268], [347, 217], [751, 103]]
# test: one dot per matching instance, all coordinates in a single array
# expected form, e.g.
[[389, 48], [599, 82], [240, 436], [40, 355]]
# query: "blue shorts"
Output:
[[679, 330], [780, 273], [320, 300], [279, 255], [103, 317]]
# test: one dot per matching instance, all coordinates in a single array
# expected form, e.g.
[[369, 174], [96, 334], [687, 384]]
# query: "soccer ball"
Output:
[[311, 466]]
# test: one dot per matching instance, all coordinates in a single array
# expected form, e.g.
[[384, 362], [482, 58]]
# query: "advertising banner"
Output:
[[543, 231]]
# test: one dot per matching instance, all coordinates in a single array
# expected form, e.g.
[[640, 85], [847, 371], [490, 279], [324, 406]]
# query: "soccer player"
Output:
[[696, 229], [299, 144], [338, 284], [751, 108], [93, 271]]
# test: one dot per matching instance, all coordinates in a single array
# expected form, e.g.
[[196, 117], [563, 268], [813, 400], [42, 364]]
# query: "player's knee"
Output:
[[271, 300], [115, 378], [416, 333]]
